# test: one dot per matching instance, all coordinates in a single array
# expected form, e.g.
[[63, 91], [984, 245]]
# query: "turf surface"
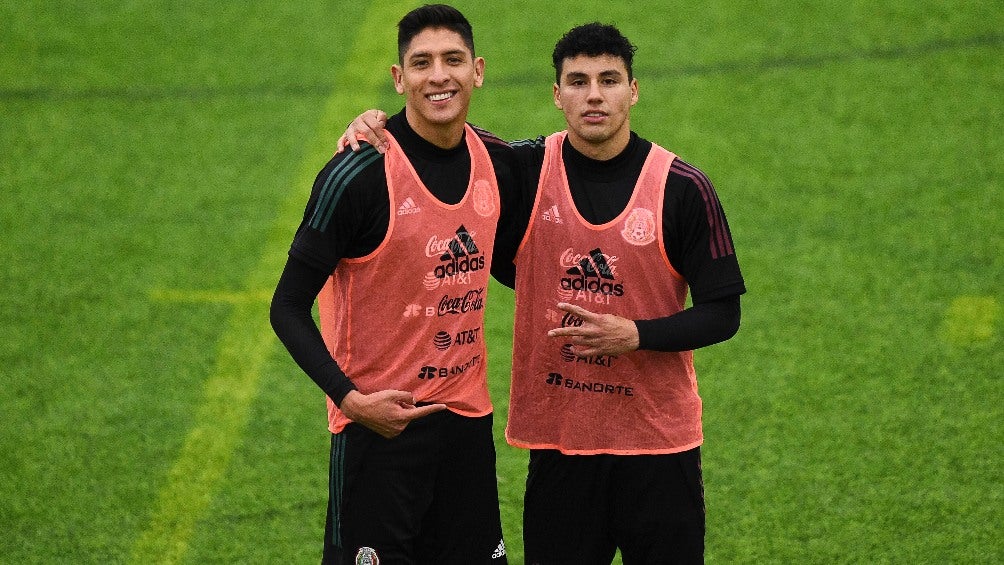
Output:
[[154, 158]]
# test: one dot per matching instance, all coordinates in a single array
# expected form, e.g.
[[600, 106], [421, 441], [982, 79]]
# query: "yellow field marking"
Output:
[[971, 319], [247, 338]]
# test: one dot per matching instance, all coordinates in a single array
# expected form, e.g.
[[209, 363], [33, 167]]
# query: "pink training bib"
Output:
[[410, 315], [642, 402]]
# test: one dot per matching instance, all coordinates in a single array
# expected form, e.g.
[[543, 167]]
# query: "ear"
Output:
[[634, 91], [479, 71], [557, 96], [398, 74]]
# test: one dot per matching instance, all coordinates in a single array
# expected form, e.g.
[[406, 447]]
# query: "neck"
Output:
[[444, 136], [601, 150]]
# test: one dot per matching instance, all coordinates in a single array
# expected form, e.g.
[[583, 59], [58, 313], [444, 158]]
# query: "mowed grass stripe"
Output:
[[247, 339], [210, 296]]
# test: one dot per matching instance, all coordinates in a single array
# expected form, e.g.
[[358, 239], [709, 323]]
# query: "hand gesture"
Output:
[[599, 334], [387, 412], [370, 124]]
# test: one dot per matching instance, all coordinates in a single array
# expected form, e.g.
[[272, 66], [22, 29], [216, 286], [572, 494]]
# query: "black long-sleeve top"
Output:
[[696, 234]]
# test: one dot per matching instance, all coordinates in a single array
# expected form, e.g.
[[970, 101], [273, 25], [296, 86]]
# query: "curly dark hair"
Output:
[[593, 39]]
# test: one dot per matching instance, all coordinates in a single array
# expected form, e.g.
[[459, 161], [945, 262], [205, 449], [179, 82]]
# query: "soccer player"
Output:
[[604, 392], [396, 247]]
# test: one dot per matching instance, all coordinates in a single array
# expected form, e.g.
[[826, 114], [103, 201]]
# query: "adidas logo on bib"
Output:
[[552, 215], [408, 207]]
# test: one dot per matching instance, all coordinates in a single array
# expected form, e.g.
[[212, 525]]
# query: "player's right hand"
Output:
[[387, 412]]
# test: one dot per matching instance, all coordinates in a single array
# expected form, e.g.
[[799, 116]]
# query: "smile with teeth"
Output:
[[441, 96]]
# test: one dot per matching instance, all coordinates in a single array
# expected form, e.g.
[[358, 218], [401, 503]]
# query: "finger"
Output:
[[579, 350], [373, 124], [577, 310], [375, 118], [401, 397], [421, 411], [570, 331], [588, 330], [372, 121], [347, 141], [375, 137]]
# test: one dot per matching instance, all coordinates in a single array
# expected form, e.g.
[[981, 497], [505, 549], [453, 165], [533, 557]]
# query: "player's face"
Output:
[[596, 96], [437, 76]]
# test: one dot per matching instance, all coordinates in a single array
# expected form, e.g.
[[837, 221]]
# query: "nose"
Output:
[[438, 74], [594, 94]]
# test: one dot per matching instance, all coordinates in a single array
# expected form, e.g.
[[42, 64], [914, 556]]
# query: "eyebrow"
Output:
[[420, 54], [602, 74]]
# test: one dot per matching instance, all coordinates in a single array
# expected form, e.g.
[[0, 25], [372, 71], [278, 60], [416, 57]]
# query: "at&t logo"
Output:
[[444, 340]]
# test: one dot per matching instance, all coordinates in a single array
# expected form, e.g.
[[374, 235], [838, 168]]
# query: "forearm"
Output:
[[699, 326], [290, 315]]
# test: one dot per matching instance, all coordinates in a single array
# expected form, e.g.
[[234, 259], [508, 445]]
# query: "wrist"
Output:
[[635, 340], [350, 403], [341, 388]]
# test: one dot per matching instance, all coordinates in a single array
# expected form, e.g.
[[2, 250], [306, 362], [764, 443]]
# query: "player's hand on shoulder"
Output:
[[370, 124]]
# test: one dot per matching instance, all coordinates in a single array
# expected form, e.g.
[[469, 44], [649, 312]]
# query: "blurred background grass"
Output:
[[150, 149]]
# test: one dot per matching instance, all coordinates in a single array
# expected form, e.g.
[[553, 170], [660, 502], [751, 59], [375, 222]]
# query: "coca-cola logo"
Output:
[[570, 320], [571, 259], [472, 301], [437, 247]]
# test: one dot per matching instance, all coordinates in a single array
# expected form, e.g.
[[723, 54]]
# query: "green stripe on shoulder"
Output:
[[337, 180]]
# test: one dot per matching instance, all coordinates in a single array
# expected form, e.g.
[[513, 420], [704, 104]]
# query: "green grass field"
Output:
[[155, 157]]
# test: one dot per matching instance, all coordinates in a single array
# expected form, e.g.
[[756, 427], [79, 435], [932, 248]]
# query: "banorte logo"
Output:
[[590, 273], [459, 253]]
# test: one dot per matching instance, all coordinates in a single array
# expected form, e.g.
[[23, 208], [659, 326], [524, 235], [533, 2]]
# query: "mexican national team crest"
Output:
[[484, 203], [367, 556], [639, 228]]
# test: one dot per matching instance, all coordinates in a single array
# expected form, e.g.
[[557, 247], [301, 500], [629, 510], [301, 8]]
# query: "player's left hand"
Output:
[[599, 334], [369, 124]]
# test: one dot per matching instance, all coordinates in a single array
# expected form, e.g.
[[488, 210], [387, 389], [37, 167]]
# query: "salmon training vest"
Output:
[[642, 402], [410, 315]]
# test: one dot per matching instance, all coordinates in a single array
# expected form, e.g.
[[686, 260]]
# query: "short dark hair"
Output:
[[432, 16], [593, 39]]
